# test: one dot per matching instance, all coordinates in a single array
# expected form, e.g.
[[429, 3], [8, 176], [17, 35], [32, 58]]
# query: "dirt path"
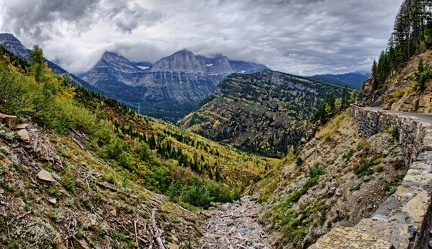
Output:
[[235, 225]]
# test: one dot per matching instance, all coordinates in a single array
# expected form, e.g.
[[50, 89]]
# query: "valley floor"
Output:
[[235, 225]]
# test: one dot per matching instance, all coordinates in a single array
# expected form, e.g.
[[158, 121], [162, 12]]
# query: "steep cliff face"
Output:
[[402, 220], [13, 45], [401, 91]]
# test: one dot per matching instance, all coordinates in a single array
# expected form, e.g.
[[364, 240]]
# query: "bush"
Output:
[[348, 154], [398, 164], [363, 168], [298, 161], [198, 196]]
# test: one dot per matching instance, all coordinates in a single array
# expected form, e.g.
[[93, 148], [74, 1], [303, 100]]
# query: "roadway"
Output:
[[425, 118]]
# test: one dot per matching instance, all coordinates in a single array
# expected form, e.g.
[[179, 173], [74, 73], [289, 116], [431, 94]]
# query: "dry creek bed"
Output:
[[235, 225]]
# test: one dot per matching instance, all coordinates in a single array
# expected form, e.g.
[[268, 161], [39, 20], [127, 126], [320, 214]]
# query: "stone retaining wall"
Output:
[[403, 220]]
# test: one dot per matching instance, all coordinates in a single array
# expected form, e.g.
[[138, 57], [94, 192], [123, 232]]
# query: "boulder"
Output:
[[9, 120], [45, 176], [23, 135]]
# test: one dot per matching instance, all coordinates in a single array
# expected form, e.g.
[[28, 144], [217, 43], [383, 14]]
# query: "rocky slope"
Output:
[[400, 91], [180, 80], [265, 113], [56, 193], [89, 178], [234, 225], [336, 179]]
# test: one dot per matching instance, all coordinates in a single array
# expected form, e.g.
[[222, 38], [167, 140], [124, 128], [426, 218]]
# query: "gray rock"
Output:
[[23, 135], [45, 176]]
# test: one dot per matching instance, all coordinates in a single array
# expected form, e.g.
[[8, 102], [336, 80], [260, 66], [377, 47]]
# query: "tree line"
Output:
[[412, 33]]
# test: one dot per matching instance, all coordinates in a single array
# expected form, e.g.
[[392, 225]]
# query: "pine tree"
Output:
[[344, 98], [36, 56]]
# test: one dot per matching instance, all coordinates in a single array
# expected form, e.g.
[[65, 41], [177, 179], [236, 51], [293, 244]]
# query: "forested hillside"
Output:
[[267, 112], [400, 76], [123, 152]]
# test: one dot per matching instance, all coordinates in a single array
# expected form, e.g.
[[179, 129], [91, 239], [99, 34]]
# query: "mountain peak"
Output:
[[8, 36], [111, 64], [181, 61], [13, 45], [110, 56]]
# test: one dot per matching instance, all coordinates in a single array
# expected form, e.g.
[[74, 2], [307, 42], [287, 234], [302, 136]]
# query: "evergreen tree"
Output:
[[36, 56], [344, 98]]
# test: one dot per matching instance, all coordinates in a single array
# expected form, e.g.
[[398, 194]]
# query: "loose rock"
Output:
[[23, 135], [45, 176], [10, 120], [235, 225], [52, 200]]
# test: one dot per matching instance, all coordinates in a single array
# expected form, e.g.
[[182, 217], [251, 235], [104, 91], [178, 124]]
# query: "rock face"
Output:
[[171, 87], [115, 68], [399, 92], [403, 219], [13, 45], [337, 179]]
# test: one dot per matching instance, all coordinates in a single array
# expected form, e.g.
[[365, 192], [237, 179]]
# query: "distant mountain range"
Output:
[[353, 80], [171, 87], [168, 89]]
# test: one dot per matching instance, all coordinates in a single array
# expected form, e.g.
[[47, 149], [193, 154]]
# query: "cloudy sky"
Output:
[[302, 37]]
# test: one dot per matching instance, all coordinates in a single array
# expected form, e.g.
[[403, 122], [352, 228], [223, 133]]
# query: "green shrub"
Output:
[[298, 161], [348, 154], [398, 164], [197, 195], [68, 180], [394, 132], [363, 168]]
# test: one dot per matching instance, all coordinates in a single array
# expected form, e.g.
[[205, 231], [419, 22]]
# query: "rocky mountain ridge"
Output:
[[354, 80], [181, 80]]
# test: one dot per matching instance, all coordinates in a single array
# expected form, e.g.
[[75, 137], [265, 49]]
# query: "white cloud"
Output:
[[296, 36]]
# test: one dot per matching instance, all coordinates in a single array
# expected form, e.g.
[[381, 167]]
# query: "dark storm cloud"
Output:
[[127, 16], [296, 36], [44, 20], [37, 18]]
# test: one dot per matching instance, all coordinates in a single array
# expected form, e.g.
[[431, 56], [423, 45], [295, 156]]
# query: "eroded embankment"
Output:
[[402, 220]]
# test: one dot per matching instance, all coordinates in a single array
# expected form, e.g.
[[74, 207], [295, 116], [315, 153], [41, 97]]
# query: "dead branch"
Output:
[[136, 234], [78, 143], [23, 215], [115, 189], [156, 230]]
